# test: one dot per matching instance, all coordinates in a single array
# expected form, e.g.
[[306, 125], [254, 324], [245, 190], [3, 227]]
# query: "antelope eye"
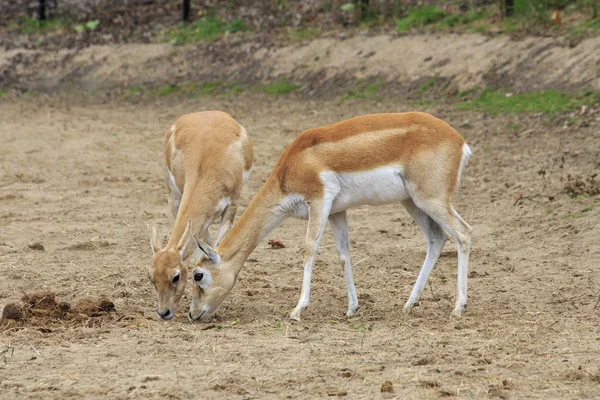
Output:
[[176, 278]]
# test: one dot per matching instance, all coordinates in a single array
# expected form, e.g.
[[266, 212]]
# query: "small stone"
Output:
[[387, 387], [36, 246]]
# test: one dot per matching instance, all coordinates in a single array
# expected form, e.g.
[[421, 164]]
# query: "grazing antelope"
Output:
[[208, 157], [412, 158]]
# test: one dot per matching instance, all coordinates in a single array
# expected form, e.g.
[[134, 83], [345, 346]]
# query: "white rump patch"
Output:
[[466, 154]]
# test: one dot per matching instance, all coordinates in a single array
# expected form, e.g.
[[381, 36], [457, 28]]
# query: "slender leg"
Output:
[[463, 247], [460, 231], [339, 224], [435, 242], [319, 211]]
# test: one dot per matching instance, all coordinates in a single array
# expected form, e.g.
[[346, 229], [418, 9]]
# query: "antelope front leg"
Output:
[[319, 211]]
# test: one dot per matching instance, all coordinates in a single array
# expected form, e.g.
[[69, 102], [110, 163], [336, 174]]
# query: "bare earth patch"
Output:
[[530, 331]]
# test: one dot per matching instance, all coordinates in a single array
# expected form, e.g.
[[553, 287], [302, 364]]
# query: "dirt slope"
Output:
[[331, 62]]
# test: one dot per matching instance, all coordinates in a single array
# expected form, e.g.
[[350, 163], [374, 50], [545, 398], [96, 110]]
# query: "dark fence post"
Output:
[[186, 11], [42, 11], [509, 8]]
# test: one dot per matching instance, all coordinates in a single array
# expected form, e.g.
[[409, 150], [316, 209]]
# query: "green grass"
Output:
[[582, 29], [420, 17], [362, 90], [133, 91], [167, 90], [428, 84], [205, 29], [3, 92], [211, 87], [188, 90], [548, 102], [514, 127], [466, 93], [31, 25], [471, 16], [424, 16], [309, 33], [90, 26], [282, 86]]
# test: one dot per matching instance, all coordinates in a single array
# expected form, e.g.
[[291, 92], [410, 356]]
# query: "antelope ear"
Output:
[[211, 254], [155, 243], [185, 240], [224, 231]]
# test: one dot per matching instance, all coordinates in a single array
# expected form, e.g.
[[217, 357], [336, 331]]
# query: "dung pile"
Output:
[[41, 308]]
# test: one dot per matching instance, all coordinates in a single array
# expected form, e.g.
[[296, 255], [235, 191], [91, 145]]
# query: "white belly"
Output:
[[350, 189], [377, 187]]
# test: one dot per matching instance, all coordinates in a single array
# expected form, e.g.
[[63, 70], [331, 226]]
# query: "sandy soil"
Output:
[[325, 65], [84, 180]]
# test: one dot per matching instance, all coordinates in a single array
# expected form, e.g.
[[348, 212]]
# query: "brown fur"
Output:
[[413, 140], [427, 150], [207, 165], [207, 154]]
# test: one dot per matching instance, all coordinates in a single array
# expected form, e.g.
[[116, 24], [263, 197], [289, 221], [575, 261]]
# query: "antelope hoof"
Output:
[[458, 310], [295, 315], [408, 308], [352, 310]]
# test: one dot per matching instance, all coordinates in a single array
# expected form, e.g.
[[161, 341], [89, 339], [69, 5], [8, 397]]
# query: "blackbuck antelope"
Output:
[[412, 158], [208, 156]]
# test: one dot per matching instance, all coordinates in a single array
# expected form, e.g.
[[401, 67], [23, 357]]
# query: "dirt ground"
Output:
[[84, 180]]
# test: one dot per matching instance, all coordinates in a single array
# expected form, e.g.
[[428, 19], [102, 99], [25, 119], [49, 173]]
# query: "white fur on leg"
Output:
[[463, 249], [435, 242], [339, 224], [311, 251]]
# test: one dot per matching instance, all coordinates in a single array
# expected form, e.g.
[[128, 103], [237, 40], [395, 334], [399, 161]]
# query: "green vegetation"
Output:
[[529, 15], [362, 90], [207, 28], [132, 92], [466, 93], [420, 17], [428, 84], [3, 92], [548, 101], [467, 18], [166, 90], [189, 90], [211, 87], [309, 33], [423, 16], [282, 86], [31, 25], [90, 26], [585, 28], [514, 127]]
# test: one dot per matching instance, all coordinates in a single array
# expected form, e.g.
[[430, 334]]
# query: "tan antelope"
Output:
[[208, 156], [412, 158]]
